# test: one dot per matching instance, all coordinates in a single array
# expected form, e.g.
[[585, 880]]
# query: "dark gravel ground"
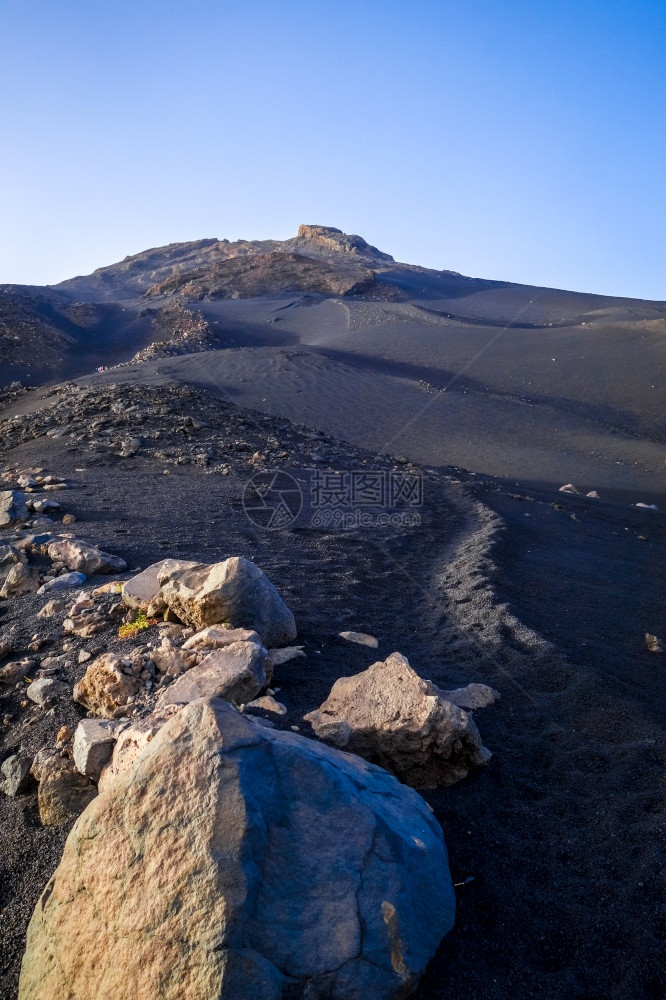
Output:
[[557, 843]]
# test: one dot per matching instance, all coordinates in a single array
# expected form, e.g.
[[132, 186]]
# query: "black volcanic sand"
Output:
[[556, 844], [529, 391]]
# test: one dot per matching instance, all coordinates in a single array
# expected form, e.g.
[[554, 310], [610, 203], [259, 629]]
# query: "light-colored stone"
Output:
[[234, 592], [472, 696], [62, 792], [16, 774], [104, 689], [15, 670], [171, 662], [64, 582], [12, 508], [362, 638], [132, 737], [277, 657], [236, 673], [653, 643], [240, 862], [216, 637], [114, 587], [268, 704], [52, 608], [389, 715], [45, 690], [20, 579], [81, 557], [568, 488], [143, 591], [93, 746]]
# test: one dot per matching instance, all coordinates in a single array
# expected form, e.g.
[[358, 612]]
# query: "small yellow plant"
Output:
[[131, 628]]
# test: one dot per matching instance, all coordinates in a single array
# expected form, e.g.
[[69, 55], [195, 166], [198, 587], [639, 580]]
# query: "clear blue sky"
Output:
[[514, 139]]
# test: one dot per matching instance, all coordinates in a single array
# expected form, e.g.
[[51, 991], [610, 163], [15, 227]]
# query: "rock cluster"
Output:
[[207, 855]]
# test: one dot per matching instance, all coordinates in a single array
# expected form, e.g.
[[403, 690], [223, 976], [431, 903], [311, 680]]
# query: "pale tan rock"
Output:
[[236, 673], [279, 656], [235, 593], [232, 861], [143, 591], [389, 715], [217, 636], [115, 587], [268, 704], [51, 608], [471, 697], [20, 579], [360, 638], [104, 689], [81, 557], [171, 661], [62, 792], [131, 741], [653, 643], [15, 670]]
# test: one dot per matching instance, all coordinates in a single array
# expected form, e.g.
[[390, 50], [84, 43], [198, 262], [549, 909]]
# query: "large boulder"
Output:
[[81, 557], [12, 508], [236, 673], [236, 862], [105, 690], [389, 715], [234, 592]]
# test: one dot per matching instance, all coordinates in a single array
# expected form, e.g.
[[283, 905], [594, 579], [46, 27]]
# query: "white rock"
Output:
[[361, 638], [93, 745]]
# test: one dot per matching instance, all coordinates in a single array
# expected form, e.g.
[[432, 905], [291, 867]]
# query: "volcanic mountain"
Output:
[[326, 329]]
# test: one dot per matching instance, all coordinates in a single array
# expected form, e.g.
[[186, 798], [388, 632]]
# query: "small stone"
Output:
[[84, 558], [653, 643], [361, 638], [45, 690], [16, 773], [104, 689], [63, 792], [51, 608], [236, 673], [64, 582], [12, 508], [568, 488], [472, 696], [279, 656], [15, 670], [93, 746], [68, 519], [267, 704], [217, 637]]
